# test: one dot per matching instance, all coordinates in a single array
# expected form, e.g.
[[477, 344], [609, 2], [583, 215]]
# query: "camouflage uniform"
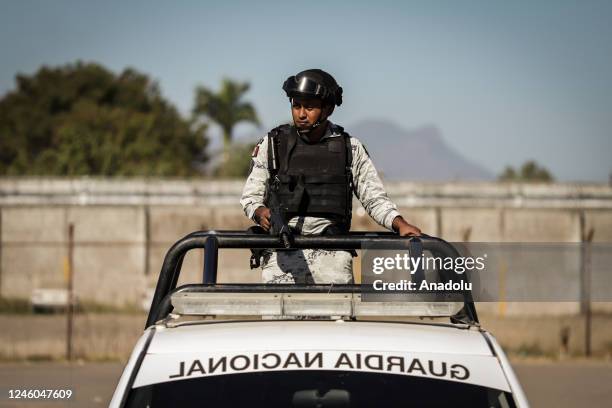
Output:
[[316, 265]]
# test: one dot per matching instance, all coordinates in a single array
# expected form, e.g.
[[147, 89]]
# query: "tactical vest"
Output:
[[313, 179]]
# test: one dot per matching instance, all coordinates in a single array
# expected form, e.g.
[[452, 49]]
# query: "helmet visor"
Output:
[[304, 86]]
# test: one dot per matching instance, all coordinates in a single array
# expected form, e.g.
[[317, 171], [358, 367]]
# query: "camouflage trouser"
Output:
[[307, 266]]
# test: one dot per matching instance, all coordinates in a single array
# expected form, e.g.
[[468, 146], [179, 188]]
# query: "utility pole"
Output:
[[585, 280], [70, 306], [0, 252]]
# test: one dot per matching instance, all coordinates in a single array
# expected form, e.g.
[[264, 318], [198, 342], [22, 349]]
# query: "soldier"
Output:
[[314, 167]]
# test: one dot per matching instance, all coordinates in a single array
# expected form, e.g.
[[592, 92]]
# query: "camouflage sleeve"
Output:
[[255, 186], [369, 188]]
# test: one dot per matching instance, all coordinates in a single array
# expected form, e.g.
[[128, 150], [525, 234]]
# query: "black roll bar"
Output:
[[212, 241]]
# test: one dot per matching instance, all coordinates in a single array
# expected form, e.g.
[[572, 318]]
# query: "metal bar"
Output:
[[177, 271], [211, 258], [147, 240], [239, 239], [165, 307], [267, 288], [416, 250]]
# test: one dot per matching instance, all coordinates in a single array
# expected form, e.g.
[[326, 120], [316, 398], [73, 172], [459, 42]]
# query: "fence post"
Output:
[[70, 306], [0, 251], [585, 280]]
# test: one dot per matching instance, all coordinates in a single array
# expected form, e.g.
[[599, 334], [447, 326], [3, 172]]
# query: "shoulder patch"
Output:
[[256, 148]]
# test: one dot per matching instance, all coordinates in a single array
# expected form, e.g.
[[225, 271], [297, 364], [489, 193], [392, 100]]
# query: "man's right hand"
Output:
[[262, 217]]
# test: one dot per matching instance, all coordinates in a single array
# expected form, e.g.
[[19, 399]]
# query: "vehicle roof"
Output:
[[277, 335]]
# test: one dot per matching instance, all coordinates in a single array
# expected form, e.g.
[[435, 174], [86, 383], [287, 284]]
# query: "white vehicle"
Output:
[[316, 346]]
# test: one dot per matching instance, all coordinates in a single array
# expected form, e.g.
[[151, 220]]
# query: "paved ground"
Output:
[[567, 384], [92, 383]]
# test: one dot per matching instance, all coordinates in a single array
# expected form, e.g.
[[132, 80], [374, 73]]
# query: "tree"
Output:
[[82, 119], [530, 172], [509, 174], [225, 108]]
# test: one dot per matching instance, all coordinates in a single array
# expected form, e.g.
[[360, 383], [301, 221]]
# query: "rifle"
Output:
[[278, 226], [277, 217]]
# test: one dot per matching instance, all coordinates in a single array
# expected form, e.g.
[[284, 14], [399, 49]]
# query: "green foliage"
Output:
[[226, 107], [530, 171], [238, 161], [81, 119]]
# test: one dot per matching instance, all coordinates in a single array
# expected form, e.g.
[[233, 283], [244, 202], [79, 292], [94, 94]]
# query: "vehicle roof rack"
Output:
[[212, 298]]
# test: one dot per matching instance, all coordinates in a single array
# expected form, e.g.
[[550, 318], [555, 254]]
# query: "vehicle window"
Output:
[[310, 388]]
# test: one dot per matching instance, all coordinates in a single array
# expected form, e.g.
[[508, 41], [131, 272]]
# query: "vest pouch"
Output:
[[291, 191], [313, 194], [326, 194]]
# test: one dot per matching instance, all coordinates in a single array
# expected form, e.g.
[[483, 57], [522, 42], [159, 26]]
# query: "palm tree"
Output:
[[225, 108]]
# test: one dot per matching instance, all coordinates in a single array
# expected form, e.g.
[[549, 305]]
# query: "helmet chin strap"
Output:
[[311, 128]]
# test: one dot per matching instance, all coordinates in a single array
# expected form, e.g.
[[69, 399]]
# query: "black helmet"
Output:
[[314, 83]]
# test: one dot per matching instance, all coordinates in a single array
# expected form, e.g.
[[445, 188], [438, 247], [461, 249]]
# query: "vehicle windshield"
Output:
[[316, 388]]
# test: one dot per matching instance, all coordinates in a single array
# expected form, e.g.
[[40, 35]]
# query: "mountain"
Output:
[[414, 155]]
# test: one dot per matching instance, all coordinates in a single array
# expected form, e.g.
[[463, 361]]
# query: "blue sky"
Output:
[[504, 81]]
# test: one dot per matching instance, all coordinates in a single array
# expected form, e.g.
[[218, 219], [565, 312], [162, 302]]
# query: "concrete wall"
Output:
[[123, 228]]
